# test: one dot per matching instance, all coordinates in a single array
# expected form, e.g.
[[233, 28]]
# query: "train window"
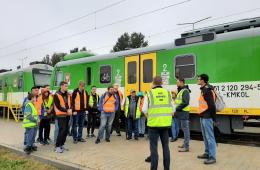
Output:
[[131, 72], [88, 76], [105, 74], [59, 76], [185, 66], [1, 84], [148, 71], [20, 82]]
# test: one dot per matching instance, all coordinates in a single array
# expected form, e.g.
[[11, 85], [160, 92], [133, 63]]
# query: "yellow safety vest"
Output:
[[178, 101], [26, 122], [91, 100], [160, 108], [47, 104], [137, 112]]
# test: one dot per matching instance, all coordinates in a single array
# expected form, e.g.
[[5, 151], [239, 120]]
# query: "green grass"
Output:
[[13, 161]]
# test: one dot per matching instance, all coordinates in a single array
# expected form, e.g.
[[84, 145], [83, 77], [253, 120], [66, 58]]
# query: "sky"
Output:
[[21, 19]]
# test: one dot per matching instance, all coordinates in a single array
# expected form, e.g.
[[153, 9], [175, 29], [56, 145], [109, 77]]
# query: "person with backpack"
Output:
[[182, 103], [207, 111], [108, 105]]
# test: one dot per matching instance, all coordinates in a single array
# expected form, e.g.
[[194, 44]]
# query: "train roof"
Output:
[[29, 68], [243, 33]]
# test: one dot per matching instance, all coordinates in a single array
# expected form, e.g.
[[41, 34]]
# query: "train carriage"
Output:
[[15, 85], [228, 53]]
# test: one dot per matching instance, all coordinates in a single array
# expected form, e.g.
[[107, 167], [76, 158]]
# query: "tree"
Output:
[[55, 58], [126, 42]]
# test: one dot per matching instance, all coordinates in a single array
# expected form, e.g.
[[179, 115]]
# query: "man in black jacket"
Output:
[[207, 110]]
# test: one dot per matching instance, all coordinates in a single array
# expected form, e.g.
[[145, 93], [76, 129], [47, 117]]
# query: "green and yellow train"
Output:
[[228, 53]]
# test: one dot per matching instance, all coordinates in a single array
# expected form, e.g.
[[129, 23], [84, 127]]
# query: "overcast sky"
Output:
[[21, 19]]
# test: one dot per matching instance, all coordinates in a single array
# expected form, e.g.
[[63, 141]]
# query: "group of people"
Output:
[[158, 109]]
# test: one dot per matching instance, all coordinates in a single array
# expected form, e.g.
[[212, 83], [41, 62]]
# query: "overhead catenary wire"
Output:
[[98, 27], [63, 24]]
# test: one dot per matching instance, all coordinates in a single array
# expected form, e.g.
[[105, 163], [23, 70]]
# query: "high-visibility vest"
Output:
[[120, 94], [91, 100], [38, 104], [203, 106], [137, 111], [160, 108], [62, 104], [77, 101], [47, 104], [26, 122], [109, 104], [178, 101]]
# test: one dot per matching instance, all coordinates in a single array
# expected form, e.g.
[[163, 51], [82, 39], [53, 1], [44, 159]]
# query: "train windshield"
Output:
[[41, 77]]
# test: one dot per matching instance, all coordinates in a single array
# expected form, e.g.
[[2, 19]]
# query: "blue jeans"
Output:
[[175, 128], [78, 124], [186, 131], [132, 124], [106, 123], [30, 134], [207, 130], [154, 135], [56, 131], [141, 125]]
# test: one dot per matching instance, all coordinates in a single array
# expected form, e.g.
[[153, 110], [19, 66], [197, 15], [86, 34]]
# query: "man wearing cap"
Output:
[[132, 114]]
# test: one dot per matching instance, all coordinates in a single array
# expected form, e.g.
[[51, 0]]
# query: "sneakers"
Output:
[[128, 138], [210, 161], [136, 138], [81, 140], [46, 142], [148, 159], [92, 135], [59, 150], [34, 148], [64, 148], [203, 156], [174, 140], [75, 141], [141, 135], [28, 150], [97, 141], [184, 150], [107, 140], [88, 135]]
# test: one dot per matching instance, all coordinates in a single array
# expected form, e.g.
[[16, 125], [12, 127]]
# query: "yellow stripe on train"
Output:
[[234, 111]]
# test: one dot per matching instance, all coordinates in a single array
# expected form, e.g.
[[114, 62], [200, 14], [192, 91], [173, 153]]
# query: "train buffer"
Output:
[[9, 109]]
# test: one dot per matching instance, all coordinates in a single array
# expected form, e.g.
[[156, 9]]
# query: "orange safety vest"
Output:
[[38, 105], [203, 106], [62, 104], [109, 104], [77, 101]]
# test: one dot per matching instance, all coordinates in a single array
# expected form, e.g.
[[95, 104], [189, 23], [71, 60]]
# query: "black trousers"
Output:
[[44, 127], [116, 123], [92, 118], [63, 123], [154, 135]]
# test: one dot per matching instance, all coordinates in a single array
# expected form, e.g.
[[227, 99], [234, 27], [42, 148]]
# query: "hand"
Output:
[[69, 112], [86, 112]]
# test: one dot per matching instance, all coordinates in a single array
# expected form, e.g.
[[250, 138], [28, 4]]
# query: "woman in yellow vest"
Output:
[[30, 123], [132, 114]]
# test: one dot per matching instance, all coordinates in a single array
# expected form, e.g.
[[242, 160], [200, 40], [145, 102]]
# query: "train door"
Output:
[[139, 72]]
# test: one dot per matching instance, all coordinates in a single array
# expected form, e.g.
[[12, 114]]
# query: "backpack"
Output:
[[219, 102]]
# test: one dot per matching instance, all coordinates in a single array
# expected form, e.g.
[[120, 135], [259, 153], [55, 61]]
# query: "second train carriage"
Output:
[[229, 54]]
